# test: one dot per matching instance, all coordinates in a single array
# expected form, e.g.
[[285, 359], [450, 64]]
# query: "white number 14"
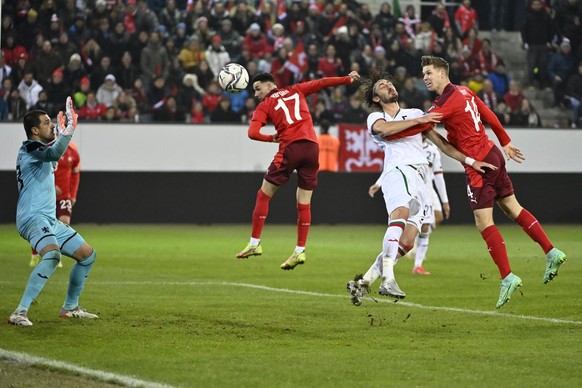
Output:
[[474, 111]]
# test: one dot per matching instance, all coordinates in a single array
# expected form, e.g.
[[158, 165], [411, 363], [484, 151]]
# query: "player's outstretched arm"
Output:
[[385, 128], [454, 153], [512, 152]]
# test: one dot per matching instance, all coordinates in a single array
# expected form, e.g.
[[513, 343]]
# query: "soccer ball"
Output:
[[233, 78]]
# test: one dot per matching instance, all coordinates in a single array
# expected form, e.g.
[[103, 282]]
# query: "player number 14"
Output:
[[474, 111]]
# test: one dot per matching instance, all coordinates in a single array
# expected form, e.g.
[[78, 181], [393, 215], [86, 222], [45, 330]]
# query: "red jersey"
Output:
[[462, 113], [67, 173], [288, 110], [467, 18]]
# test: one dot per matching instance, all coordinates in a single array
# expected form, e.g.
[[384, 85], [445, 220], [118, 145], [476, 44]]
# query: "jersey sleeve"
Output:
[[491, 119], [53, 152], [310, 87]]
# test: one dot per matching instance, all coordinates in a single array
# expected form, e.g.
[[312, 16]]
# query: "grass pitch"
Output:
[[177, 308]]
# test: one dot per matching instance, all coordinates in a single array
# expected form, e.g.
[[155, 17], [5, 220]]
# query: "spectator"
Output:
[[198, 114], [330, 65], [466, 18], [91, 53], [231, 39], [80, 95], [329, 147], [64, 47], [573, 96], [355, 114], [93, 109], [29, 30], [560, 67], [204, 74], [439, 20], [237, 101], [473, 42], [44, 104], [276, 36], [145, 19], [216, 55], [57, 90], [283, 76], [343, 46], [224, 113], [411, 21], [218, 15], [28, 90], [513, 97], [120, 43], [154, 59], [537, 34], [170, 16], [192, 54], [74, 72], [489, 96], [54, 30], [99, 73], [138, 93], [526, 116], [108, 91], [248, 110], [243, 16], [500, 79], [125, 107], [212, 96], [79, 32], [339, 102], [410, 96], [453, 45], [385, 19], [425, 39], [189, 92], [202, 31], [487, 58], [48, 61], [256, 42], [156, 95], [181, 37], [16, 106], [170, 112], [126, 72]]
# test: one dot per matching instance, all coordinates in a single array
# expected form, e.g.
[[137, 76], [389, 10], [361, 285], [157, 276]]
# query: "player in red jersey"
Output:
[[67, 174], [462, 112], [288, 110]]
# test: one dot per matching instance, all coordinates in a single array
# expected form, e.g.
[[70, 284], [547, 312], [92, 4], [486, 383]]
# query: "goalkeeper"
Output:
[[36, 213]]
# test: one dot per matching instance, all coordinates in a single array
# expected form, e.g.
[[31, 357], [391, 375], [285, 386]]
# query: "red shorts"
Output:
[[64, 207], [484, 189], [303, 156]]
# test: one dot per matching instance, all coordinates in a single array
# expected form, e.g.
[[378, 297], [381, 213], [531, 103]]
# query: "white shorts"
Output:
[[405, 186]]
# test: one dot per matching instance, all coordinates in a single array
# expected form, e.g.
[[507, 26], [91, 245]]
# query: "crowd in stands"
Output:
[[157, 60]]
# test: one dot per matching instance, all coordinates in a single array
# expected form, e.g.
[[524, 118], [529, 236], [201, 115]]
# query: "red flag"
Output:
[[281, 9], [297, 61]]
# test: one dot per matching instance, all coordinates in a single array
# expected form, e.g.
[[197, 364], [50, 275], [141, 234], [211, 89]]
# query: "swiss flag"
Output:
[[297, 61]]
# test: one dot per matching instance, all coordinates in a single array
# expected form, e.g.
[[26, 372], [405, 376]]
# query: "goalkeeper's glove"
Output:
[[71, 119]]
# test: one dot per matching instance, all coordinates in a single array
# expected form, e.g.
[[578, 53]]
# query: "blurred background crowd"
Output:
[[157, 60]]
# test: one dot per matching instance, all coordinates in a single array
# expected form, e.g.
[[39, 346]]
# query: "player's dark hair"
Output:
[[324, 126], [437, 62], [263, 77], [367, 88], [32, 119]]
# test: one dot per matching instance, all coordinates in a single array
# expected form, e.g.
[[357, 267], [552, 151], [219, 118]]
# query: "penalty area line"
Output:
[[380, 300], [55, 365]]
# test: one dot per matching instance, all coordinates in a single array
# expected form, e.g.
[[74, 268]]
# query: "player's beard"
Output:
[[389, 99]]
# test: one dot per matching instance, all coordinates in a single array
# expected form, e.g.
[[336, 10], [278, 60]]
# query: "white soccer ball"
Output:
[[233, 78]]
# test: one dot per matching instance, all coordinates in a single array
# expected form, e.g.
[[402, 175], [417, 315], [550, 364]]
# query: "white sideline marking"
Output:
[[126, 381], [380, 299]]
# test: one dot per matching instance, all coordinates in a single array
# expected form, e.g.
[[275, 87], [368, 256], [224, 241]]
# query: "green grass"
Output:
[[175, 307]]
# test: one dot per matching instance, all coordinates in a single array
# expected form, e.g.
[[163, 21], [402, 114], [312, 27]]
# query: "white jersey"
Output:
[[404, 151], [435, 174]]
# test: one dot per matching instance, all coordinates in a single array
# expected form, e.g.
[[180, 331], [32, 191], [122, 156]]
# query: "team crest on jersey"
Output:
[[463, 91], [45, 229]]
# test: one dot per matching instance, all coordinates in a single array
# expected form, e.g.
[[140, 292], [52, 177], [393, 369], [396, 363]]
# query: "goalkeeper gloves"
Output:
[[68, 128]]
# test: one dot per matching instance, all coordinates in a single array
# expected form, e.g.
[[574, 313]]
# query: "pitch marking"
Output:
[[126, 381]]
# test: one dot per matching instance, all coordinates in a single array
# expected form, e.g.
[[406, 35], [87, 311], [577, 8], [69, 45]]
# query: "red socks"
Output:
[[534, 230], [497, 250], [260, 214], [303, 223]]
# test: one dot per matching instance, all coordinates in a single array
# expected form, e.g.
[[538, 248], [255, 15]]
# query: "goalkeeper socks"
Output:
[[77, 279], [497, 249], [38, 278], [534, 230], [260, 213], [303, 223]]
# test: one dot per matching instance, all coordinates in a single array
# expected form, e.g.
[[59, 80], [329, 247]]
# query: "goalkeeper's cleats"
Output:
[[250, 250], [554, 259], [508, 286], [390, 288], [77, 312], [19, 318], [294, 260]]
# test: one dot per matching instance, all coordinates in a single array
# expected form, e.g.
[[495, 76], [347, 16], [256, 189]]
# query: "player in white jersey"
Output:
[[404, 183], [436, 207]]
